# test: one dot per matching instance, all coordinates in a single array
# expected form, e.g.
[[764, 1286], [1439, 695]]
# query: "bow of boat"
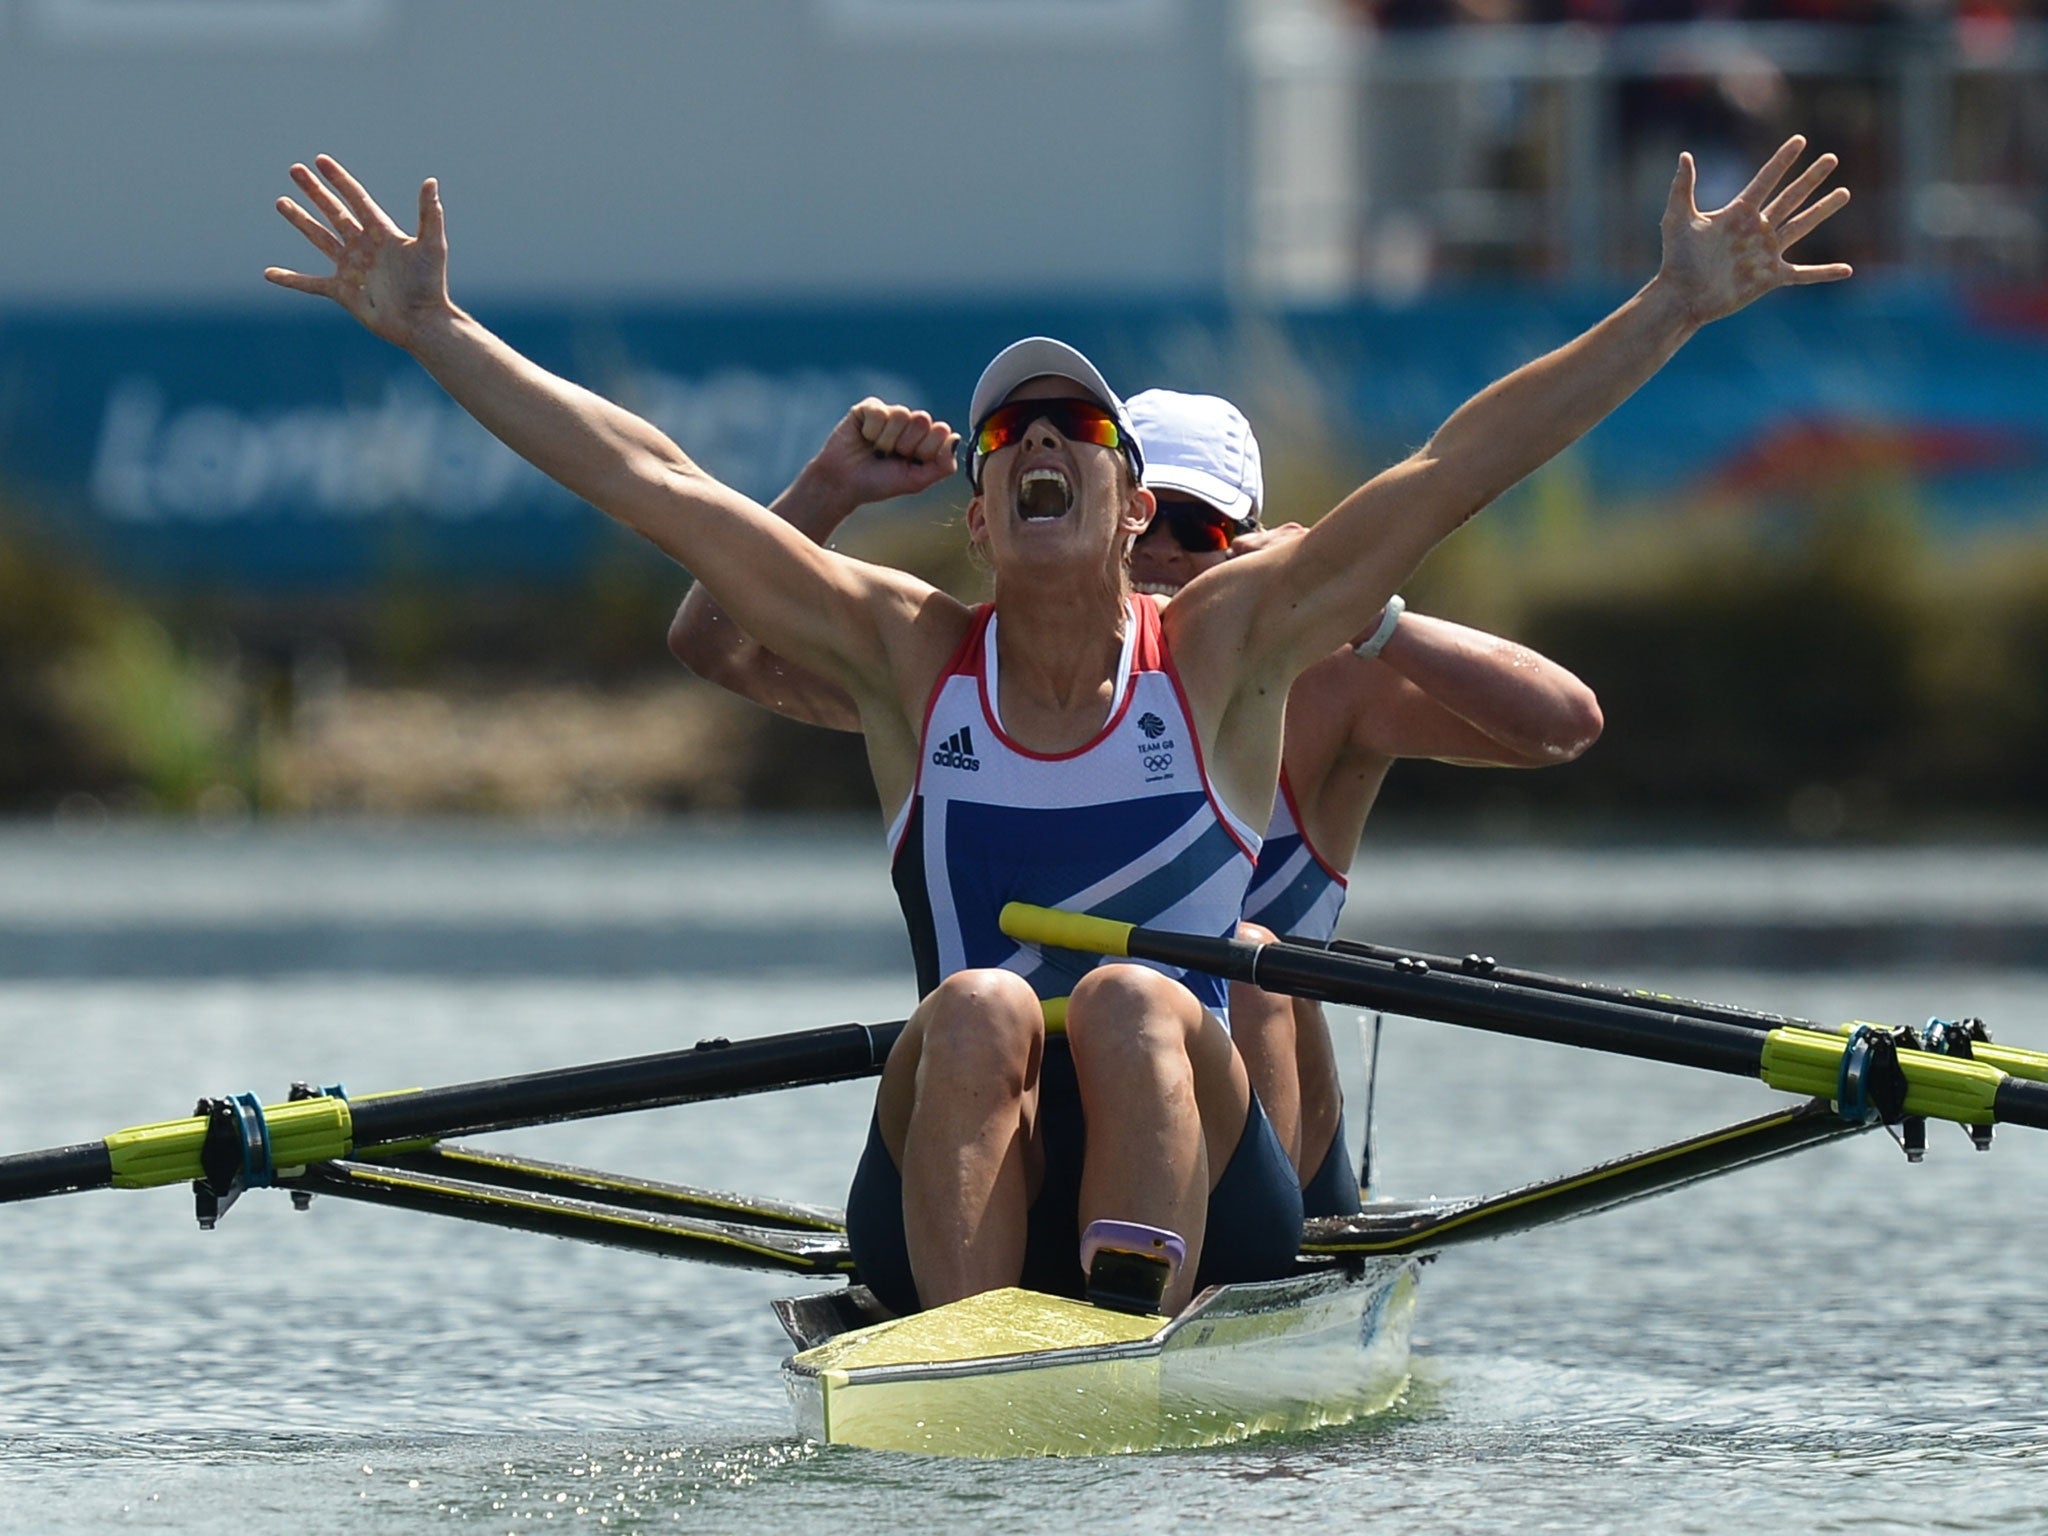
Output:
[[1017, 1373]]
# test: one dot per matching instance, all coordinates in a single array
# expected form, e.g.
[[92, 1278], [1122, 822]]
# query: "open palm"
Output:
[[1723, 260], [387, 279]]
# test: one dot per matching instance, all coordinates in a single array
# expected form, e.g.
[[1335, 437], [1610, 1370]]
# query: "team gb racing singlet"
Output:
[[1294, 891], [1125, 827]]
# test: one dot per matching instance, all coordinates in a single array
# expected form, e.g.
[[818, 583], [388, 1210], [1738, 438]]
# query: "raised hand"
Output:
[[1718, 262], [391, 281], [879, 451]]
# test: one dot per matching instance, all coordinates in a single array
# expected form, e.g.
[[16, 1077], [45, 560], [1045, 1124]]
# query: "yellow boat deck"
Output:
[[1017, 1373]]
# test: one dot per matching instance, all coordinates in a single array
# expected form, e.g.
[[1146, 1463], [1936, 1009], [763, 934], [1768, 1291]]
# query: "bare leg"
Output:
[[1322, 1096], [958, 1109], [1165, 1099]]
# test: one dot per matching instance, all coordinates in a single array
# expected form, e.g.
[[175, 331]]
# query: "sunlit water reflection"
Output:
[[1834, 1342]]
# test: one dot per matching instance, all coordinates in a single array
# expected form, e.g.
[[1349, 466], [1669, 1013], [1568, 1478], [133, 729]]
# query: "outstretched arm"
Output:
[[877, 452], [1328, 584], [826, 612], [1459, 695]]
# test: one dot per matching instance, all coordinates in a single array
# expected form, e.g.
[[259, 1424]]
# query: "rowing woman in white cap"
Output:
[[1411, 686], [1407, 686], [1076, 683]]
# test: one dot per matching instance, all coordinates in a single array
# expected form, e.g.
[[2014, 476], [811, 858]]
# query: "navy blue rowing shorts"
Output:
[[1254, 1224], [1334, 1189]]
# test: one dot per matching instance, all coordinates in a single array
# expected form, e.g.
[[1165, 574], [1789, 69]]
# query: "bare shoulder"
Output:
[[894, 596], [1215, 610], [918, 629], [929, 627]]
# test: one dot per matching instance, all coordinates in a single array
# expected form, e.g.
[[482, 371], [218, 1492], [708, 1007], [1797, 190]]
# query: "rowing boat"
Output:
[[1016, 1373], [1011, 1372]]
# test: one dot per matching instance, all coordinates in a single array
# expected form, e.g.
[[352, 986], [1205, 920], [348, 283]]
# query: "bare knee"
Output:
[[982, 1024], [1132, 1022], [1128, 1002]]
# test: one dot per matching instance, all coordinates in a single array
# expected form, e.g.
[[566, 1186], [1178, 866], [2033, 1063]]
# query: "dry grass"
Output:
[[549, 753]]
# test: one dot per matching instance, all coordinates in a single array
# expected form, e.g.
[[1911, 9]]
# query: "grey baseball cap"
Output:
[[1038, 357]]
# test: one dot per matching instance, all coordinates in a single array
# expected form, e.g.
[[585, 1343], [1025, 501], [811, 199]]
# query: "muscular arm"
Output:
[[1438, 690], [841, 618], [1283, 607], [1459, 695], [705, 638], [876, 452]]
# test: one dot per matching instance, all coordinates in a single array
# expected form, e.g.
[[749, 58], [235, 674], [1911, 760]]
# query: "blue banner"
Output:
[[297, 451]]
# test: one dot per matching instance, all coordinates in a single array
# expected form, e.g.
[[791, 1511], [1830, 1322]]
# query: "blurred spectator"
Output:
[[1542, 152], [1408, 15]]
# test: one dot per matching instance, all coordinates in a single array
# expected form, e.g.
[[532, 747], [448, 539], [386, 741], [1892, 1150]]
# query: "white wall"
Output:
[[668, 149]]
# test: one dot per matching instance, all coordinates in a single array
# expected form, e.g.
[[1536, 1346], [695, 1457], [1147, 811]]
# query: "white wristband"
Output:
[[1390, 616]]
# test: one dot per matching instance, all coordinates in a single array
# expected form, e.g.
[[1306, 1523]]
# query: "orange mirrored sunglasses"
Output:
[[1195, 526], [1078, 421]]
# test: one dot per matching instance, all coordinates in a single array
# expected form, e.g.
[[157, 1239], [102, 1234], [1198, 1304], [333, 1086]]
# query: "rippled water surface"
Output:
[[1837, 1341]]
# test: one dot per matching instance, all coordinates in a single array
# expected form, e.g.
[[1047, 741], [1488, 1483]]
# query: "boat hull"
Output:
[[1016, 1373]]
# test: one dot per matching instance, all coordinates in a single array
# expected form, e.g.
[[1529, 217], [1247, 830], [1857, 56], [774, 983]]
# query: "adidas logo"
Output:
[[957, 751]]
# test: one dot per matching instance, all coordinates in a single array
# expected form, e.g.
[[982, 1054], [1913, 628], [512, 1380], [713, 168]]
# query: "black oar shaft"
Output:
[[55, 1171], [715, 1069], [1868, 1072], [2016, 1061], [1477, 1002], [2020, 1102], [1631, 997], [318, 1129]]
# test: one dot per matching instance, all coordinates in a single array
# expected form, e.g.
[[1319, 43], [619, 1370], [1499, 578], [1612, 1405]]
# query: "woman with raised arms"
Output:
[[1064, 690], [1413, 686]]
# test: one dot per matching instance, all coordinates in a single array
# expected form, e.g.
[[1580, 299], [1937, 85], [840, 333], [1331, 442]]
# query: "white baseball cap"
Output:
[[1201, 446], [1040, 357]]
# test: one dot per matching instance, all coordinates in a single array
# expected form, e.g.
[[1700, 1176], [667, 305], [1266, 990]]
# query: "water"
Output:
[[1836, 1341]]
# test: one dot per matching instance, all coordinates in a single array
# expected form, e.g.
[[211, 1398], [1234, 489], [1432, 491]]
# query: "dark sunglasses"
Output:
[[1198, 529], [1078, 421]]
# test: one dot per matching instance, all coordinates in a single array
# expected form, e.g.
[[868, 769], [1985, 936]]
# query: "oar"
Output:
[[240, 1143], [1486, 965], [2012, 1059], [1854, 1070]]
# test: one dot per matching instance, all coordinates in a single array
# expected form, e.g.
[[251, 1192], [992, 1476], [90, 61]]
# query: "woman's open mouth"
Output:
[[1043, 494]]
